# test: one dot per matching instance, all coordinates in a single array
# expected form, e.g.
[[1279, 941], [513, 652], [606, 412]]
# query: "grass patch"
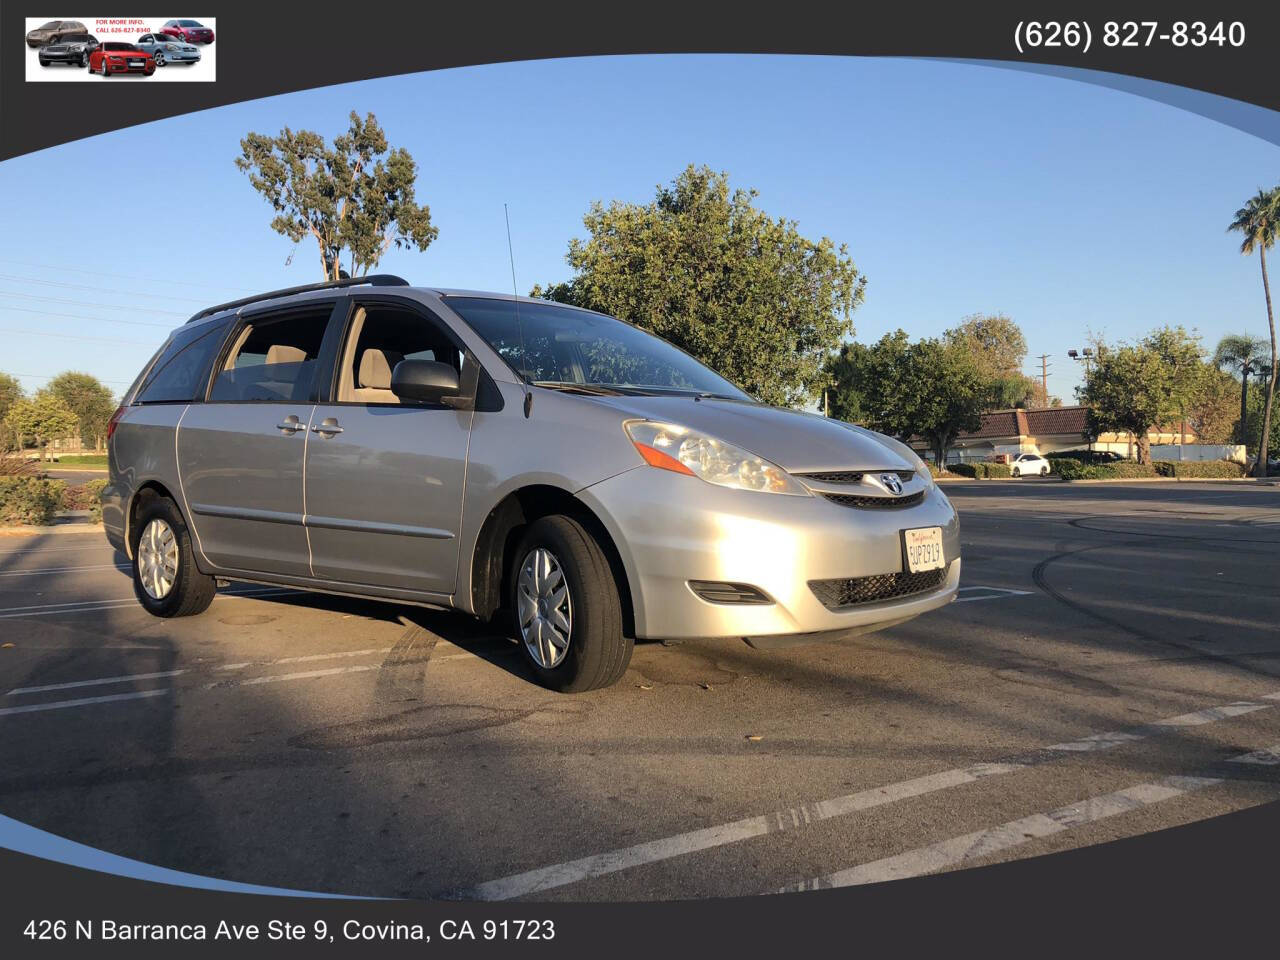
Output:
[[83, 460]]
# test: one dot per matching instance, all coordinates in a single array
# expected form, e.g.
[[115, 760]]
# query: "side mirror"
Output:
[[425, 380]]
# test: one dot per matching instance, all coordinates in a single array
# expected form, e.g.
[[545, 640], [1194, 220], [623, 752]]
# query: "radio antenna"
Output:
[[515, 299]]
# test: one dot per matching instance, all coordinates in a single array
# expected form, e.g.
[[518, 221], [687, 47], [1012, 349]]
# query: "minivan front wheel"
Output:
[[568, 614], [165, 578]]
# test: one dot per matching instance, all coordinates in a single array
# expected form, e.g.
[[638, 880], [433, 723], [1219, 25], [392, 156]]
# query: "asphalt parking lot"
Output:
[[1113, 668]]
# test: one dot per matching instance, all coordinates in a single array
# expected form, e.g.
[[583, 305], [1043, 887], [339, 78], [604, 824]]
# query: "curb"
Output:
[[1265, 482], [60, 529]]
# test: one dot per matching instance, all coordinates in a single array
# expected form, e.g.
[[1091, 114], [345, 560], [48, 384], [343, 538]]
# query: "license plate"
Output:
[[923, 549]]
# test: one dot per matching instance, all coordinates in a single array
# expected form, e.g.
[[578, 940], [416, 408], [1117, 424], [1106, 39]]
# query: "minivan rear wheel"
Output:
[[165, 578], [567, 611]]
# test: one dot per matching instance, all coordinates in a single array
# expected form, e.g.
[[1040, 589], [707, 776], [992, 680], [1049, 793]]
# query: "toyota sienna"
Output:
[[505, 455]]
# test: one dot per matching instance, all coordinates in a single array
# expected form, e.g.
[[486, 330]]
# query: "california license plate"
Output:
[[923, 548]]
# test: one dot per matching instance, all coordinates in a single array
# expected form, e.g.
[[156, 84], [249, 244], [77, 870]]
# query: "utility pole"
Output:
[[1044, 376]]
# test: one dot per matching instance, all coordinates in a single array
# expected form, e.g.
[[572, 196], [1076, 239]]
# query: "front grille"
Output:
[[853, 476], [875, 503], [837, 594]]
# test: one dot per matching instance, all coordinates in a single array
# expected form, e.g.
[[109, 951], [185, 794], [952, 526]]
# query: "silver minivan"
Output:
[[502, 455]]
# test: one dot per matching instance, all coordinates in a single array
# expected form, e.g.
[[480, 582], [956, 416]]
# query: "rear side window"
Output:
[[181, 372], [273, 360]]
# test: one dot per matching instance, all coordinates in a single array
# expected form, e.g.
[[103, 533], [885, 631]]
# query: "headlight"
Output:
[[669, 446]]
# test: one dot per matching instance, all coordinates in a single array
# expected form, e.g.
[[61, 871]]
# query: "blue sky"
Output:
[[958, 188]]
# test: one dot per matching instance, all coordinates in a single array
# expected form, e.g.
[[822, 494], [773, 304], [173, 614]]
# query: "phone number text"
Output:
[[1080, 34]]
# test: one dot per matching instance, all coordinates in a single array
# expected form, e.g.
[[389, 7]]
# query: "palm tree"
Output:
[[1258, 220], [1242, 354]]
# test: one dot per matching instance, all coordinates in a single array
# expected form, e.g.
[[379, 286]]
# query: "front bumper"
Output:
[[149, 67], [670, 529]]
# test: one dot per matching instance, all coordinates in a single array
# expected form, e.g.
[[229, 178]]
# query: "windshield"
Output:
[[119, 46], [188, 23], [565, 346]]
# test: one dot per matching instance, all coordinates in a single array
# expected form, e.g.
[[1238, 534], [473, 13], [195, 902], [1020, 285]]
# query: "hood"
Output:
[[798, 442]]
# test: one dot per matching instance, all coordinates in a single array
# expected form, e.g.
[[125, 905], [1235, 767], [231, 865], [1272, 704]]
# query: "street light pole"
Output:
[[1084, 356]]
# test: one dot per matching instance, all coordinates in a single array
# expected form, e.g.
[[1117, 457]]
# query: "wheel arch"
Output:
[[501, 530], [150, 490]]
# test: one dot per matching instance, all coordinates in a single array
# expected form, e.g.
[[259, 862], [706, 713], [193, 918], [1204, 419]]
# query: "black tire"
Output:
[[158, 59], [1014, 472], [192, 591], [1044, 471], [599, 652]]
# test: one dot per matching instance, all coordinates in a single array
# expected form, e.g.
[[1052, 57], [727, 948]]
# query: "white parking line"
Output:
[[83, 702], [560, 874], [93, 606], [991, 593], [1266, 757], [79, 569], [557, 875], [971, 846], [1105, 741], [131, 677], [125, 678], [304, 675]]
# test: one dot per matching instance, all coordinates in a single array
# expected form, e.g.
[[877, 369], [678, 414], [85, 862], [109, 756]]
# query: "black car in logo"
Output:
[[75, 50]]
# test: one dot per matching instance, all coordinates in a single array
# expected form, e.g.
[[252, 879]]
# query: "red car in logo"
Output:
[[121, 58], [192, 31]]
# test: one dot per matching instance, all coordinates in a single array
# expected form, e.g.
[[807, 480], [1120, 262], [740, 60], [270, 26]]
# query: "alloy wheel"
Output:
[[545, 608], [157, 559]]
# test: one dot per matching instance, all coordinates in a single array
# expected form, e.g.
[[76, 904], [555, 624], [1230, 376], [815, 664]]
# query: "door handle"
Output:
[[291, 424], [328, 427]]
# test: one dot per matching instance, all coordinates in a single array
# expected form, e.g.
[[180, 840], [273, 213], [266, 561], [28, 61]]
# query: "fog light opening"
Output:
[[715, 591]]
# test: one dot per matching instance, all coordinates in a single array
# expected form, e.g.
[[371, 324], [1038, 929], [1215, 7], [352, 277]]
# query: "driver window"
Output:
[[380, 336]]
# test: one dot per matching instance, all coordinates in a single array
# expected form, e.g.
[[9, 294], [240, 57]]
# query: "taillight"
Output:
[[115, 419]]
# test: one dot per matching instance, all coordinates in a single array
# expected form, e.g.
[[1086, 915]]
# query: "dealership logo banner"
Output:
[[92, 49]]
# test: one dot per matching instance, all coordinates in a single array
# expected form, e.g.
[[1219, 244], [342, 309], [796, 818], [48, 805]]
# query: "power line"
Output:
[[85, 286], [76, 316], [90, 303], [51, 376], [76, 336], [102, 273]]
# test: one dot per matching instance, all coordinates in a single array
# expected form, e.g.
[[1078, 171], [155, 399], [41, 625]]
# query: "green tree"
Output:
[[1243, 355], [848, 372], [932, 388], [89, 399], [1212, 413], [10, 393], [998, 348], [355, 197], [42, 419], [1253, 439], [952, 396], [1258, 220], [702, 267], [1132, 388], [1183, 355]]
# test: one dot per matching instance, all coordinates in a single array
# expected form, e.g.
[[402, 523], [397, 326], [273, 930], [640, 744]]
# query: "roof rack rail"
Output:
[[375, 280]]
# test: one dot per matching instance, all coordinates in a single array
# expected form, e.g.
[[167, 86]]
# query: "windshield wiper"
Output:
[[568, 386]]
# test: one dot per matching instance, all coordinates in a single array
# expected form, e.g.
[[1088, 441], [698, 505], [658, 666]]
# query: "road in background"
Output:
[[1113, 668]]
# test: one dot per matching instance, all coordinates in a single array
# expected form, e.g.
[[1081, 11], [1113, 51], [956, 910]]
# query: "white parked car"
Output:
[[1029, 464]]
